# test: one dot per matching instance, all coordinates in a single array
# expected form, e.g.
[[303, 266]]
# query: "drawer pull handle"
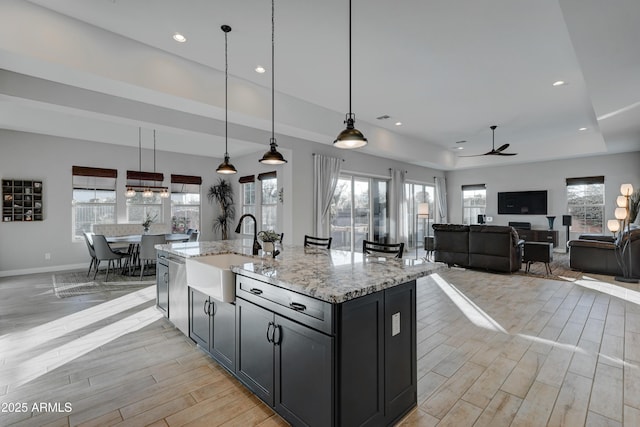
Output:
[[255, 291], [297, 306]]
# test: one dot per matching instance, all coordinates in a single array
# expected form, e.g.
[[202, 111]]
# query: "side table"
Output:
[[538, 252]]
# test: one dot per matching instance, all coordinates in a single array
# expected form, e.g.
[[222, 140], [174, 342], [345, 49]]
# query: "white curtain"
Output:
[[398, 208], [326, 171], [441, 196]]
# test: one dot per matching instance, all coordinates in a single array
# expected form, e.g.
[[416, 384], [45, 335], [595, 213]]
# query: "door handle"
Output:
[[278, 329], [270, 335], [206, 307], [297, 306]]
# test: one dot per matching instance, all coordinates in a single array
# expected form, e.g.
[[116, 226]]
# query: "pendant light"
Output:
[[350, 137], [130, 190], [226, 167], [273, 156]]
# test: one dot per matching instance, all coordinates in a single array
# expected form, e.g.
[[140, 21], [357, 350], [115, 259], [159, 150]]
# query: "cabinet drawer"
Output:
[[301, 308]]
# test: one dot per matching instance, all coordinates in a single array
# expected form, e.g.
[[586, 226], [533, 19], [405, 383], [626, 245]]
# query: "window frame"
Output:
[[477, 209], [581, 222], [101, 183], [185, 182]]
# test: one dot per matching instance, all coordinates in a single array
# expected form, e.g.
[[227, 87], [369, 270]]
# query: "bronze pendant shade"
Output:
[[226, 167], [273, 156], [350, 137]]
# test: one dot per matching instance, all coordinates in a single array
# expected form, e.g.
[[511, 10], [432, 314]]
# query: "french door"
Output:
[[359, 211]]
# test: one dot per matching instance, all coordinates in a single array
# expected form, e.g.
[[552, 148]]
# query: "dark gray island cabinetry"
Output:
[[321, 364]]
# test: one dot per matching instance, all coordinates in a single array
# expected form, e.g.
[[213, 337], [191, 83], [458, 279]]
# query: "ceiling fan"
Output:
[[494, 152]]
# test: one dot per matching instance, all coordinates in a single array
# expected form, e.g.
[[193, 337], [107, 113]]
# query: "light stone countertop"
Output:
[[333, 276]]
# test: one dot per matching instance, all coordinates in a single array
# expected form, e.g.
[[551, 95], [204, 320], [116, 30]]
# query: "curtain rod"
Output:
[[313, 154]]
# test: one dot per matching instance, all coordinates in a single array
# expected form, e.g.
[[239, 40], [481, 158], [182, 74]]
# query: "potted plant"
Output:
[[222, 194], [148, 221], [269, 238]]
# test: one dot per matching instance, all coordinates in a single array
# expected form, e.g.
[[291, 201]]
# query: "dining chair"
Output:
[[193, 236], [148, 249], [105, 253], [88, 238], [317, 241], [383, 249]]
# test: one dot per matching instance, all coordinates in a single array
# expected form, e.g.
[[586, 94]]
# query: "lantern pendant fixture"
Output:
[[350, 137], [273, 156], [226, 167]]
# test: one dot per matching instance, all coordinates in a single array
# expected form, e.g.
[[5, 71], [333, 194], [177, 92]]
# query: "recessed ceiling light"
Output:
[[581, 129], [559, 83], [398, 123], [459, 148], [179, 38], [260, 69]]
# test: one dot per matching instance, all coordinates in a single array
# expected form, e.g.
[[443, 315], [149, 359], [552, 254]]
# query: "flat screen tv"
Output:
[[523, 203]]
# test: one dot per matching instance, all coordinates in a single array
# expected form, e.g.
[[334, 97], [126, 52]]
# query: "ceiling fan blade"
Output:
[[506, 154], [502, 147], [475, 155]]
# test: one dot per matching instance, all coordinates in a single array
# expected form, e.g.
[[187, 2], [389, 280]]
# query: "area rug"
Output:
[[559, 269], [71, 284]]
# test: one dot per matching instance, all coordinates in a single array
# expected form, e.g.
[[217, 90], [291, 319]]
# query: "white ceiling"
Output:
[[98, 69]]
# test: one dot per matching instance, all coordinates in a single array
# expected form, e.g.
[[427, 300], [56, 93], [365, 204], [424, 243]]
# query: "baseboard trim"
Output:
[[48, 269]]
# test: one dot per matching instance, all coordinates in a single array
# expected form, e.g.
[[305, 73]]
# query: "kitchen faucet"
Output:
[[256, 245]]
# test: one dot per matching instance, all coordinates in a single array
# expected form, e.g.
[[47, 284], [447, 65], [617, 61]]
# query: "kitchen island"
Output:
[[324, 337]]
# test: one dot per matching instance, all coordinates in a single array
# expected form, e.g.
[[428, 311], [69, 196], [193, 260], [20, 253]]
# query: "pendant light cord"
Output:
[[350, 111], [226, 107], [273, 44]]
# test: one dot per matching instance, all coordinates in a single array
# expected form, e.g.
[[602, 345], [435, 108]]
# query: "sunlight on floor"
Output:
[[19, 369], [467, 307], [618, 291]]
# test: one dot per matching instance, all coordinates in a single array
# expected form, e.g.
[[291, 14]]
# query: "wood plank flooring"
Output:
[[493, 350]]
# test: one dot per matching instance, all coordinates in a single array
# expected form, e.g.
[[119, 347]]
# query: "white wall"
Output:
[[551, 176], [50, 159]]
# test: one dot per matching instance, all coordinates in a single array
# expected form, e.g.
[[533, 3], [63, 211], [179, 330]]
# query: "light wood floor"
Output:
[[493, 350]]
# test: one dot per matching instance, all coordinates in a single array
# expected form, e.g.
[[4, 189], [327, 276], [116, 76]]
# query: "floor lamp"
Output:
[[622, 214], [423, 212]]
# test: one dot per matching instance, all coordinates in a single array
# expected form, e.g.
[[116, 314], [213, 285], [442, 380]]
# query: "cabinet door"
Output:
[[304, 374], [200, 320], [401, 388], [162, 288], [223, 341], [254, 351]]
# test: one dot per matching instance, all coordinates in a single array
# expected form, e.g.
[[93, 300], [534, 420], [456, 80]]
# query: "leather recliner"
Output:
[[601, 256]]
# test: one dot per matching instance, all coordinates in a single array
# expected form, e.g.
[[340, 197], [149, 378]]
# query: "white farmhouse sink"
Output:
[[212, 274]]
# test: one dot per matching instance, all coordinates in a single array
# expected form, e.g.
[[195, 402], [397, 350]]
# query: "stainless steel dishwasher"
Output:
[[178, 294]]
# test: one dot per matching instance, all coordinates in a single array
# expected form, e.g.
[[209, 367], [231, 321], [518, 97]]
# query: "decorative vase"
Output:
[[268, 247], [551, 219]]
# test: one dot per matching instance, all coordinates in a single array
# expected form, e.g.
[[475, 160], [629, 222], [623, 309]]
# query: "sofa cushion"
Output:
[[494, 247]]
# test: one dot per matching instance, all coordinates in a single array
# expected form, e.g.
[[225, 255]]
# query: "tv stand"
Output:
[[528, 235]]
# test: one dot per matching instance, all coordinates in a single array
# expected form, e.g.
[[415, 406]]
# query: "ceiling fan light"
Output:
[[226, 168]]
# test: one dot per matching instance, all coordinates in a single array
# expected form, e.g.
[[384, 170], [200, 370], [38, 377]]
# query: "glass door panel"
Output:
[[362, 211], [341, 215]]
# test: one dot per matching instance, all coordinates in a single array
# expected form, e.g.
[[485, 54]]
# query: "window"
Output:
[[94, 198], [138, 206], [585, 204], [185, 203], [359, 211], [474, 202], [260, 198], [417, 193], [248, 189], [268, 200]]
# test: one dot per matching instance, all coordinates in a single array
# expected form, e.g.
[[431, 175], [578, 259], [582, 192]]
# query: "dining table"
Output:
[[133, 244]]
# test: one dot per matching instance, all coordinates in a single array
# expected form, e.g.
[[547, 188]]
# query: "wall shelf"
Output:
[[21, 200]]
